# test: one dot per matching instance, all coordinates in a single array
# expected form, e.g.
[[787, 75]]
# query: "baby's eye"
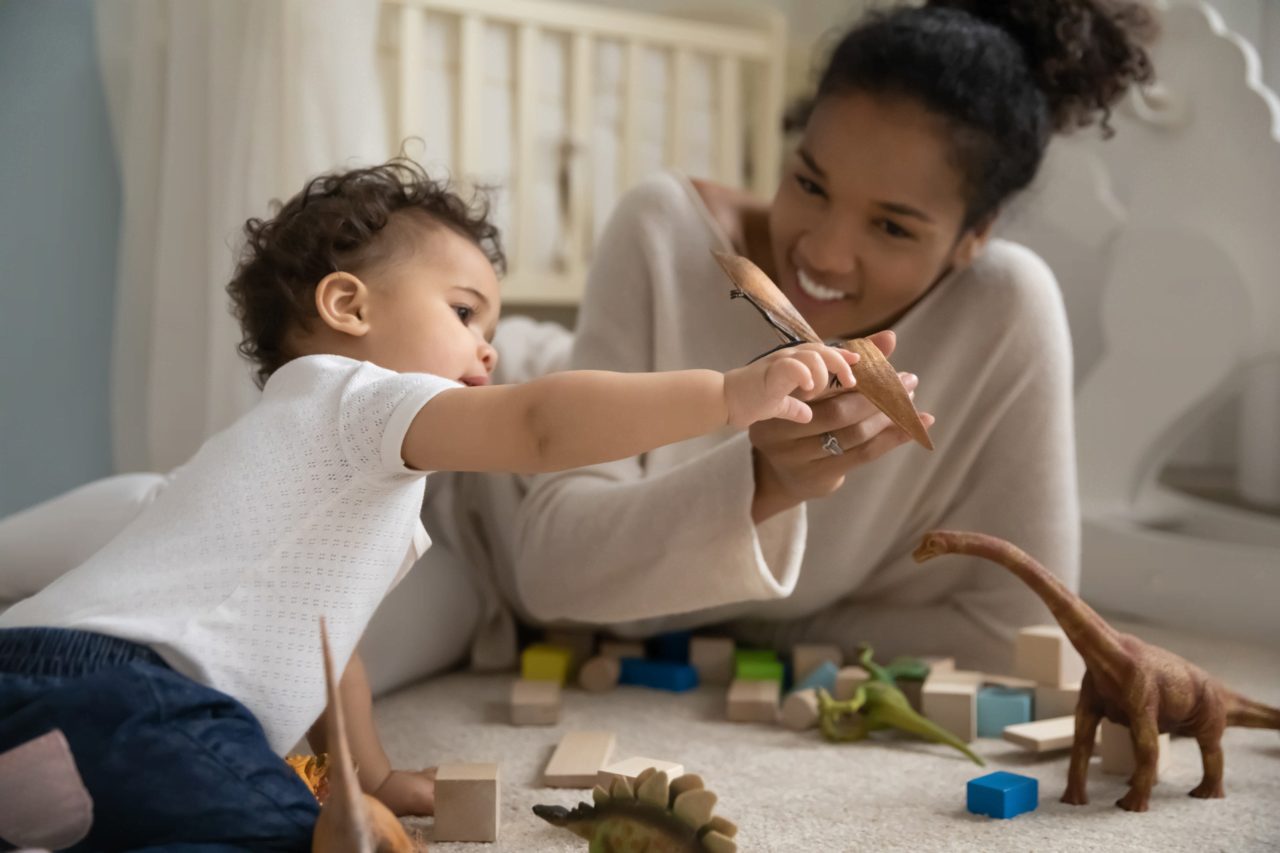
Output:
[[893, 229], [464, 312], [809, 187]]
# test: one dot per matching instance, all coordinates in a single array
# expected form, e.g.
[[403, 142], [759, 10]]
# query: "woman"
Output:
[[926, 122]]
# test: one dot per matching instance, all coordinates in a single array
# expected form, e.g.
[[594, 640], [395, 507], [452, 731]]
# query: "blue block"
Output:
[[662, 675], [1002, 706], [1003, 795], [823, 676], [673, 646]]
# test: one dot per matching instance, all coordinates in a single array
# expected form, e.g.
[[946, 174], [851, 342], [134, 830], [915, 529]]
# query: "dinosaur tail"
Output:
[[1096, 641], [929, 730], [1252, 715]]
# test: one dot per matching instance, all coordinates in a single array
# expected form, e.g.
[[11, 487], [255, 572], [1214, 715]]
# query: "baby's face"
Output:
[[434, 310]]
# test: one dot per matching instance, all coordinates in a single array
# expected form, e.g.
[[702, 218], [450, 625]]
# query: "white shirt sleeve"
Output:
[[375, 409]]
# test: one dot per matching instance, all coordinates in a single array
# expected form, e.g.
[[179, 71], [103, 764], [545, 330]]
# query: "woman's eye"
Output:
[[465, 312], [893, 229], [809, 186]]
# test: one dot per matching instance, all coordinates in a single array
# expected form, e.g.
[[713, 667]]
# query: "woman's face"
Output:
[[868, 214]]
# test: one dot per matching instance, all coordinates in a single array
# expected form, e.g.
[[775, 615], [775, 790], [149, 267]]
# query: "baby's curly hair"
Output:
[[338, 222]]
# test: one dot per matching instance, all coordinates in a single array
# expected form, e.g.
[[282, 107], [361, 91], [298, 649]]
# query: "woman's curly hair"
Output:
[[1004, 74], [336, 223]]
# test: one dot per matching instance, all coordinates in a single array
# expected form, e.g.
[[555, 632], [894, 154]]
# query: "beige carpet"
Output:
[[789, 791]]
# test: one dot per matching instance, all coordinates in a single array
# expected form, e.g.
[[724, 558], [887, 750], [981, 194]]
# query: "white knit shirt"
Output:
[[303, 508]]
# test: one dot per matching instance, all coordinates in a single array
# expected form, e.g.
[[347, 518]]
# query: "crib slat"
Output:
[[526, 143], [729, 126], [470, 95], [408, 121], [766, 145], [676, 125], [577, 220], [631, 116]]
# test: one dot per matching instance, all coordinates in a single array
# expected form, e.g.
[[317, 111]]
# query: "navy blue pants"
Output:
[[170, 764]]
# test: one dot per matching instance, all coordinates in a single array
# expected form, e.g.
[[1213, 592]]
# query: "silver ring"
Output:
[[831, 445]]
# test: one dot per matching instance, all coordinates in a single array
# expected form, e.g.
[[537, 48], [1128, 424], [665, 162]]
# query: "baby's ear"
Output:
[[973, 242], [342, 301]]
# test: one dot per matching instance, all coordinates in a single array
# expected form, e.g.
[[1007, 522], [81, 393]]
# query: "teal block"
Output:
[[1002, 706], [823, 675]]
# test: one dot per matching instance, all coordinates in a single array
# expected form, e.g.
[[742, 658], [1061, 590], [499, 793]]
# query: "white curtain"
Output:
[[217, 108]]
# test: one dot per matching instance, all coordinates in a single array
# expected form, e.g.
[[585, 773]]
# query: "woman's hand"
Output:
[[791, 463]]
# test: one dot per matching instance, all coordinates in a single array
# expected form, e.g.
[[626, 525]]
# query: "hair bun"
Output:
[[1083, 54]]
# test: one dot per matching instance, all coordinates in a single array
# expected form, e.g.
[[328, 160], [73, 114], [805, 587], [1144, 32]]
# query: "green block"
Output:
[[546, 663], [757, 655], [759, 670]]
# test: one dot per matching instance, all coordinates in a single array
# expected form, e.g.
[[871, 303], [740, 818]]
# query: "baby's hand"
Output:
[[762, 390], [409, 793]]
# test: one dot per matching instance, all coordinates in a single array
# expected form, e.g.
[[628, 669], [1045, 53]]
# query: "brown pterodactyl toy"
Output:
[[877, 380], [350, 820], [1132, 683]]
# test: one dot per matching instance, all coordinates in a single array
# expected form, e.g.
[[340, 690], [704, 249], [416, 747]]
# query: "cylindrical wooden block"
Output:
[[600, 674], [800, 711]]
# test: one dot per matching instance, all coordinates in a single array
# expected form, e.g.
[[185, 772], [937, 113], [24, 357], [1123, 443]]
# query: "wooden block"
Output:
[[545, 663], [805, 658], [535, 703], [467, 802], [800, 710], [847, 681], [600, 674], [581, 643], [824, 675], [1056, 701], [1044, 654], [1116, 746], [1043, 735], [952, 705], [759, 670], [578, 759], [753, 701], [630, 768], [622, 649], [1011, 682], [956, 676], [939, 664], [713, 658]]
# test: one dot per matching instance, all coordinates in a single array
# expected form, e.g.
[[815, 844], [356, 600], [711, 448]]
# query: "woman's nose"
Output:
[[830, 249]]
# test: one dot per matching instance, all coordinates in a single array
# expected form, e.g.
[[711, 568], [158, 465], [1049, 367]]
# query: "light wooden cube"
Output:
[[953, 706], [535, 703], [753, 701], [622, 649], [712, 657], [467, 802], [956, 676], [800, 710], [807, 657], [1044, 654], [630, 768], [1056, 701], [939, 664], [578, 758], [847, 681], [1116, 746]]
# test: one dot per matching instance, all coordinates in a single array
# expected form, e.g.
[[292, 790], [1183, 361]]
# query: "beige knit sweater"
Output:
[[666, 540]]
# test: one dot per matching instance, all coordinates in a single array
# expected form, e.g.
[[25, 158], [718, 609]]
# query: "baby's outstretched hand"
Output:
[[763, 389], [409, 793]]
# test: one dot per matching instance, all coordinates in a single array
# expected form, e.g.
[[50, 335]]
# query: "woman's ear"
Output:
[[973, 242], [342, 301]]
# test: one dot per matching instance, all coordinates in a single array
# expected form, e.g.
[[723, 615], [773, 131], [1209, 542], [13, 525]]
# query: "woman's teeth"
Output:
[[813, 289]]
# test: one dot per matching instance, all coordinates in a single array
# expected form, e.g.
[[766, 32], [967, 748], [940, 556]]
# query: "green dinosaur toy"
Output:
[[879, 704], [657, 816]]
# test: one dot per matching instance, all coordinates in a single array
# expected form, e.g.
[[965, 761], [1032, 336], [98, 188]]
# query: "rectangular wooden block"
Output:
[[535, 703], [956, 676], [939, 664], [1043, 654], [753, 701], [467, 802], [1056, 701], [954, 706], [1043, 735], [713, 658], [622, 649], [1116, 746], [546, 663], [807, 657], [847, 681], [578, 759], [1010, 682], [630, 768]]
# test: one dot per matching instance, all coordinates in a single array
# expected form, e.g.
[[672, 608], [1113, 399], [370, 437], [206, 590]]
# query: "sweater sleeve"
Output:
[[619, 542]]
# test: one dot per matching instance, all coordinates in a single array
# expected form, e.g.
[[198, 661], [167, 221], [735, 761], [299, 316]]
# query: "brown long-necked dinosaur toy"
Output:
[[1132, 683]]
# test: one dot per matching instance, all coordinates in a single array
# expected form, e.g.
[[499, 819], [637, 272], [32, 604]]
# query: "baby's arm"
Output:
[[404, 792], [576, 418]]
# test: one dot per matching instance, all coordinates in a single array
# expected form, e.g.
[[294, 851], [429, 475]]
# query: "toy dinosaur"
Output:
[[878, 704], [656, 816], [350, 820], [877, 380], [1132, 683]]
